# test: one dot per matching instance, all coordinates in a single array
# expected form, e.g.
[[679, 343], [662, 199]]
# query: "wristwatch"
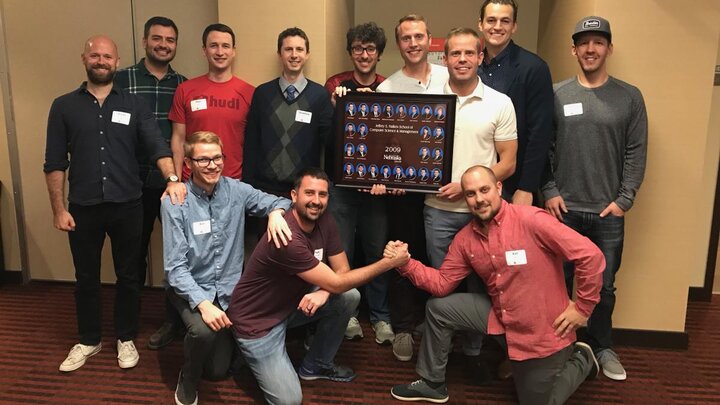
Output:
[[173, 178]]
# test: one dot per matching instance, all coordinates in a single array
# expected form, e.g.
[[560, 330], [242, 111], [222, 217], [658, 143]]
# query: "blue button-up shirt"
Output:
[[203, 239], [497, 72]]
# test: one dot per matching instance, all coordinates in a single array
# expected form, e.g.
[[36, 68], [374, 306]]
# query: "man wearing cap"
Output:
[[597, 166]]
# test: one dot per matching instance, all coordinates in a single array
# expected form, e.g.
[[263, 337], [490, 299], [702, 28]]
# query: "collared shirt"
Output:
[[496, 72], [101, 141], [484, 117], [399, 82], [520, 260], [299, 84], [159, 94], [203, 239]]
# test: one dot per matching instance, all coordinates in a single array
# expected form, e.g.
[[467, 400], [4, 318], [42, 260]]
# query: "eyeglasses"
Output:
[[205, 162], [358, 50]]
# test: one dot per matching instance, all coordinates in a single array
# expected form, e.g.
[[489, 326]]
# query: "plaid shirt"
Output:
[[159, 94]]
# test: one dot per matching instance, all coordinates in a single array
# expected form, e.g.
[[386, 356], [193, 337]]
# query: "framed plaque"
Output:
[[401, 140]]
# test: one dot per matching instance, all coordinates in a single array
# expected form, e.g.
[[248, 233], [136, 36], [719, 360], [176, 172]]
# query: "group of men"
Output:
[[220, 149]]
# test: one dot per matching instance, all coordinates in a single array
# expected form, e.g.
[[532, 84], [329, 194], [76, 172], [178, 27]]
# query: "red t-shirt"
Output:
[[222, 108], [269, 289]]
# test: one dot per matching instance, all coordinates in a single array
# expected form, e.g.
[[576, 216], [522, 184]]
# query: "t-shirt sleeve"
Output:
[[506, 126], [177, 110], [294, 258]]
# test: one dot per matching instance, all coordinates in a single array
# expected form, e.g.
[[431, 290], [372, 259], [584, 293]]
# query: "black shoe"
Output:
[[420, 391], [586, 351], [335, 373], [185, 395], [165, 335]]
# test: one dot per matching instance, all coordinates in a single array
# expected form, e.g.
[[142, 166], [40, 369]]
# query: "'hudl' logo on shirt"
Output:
[[213, 102]]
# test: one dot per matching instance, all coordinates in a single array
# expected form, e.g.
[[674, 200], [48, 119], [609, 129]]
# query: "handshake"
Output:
[[397, 253]]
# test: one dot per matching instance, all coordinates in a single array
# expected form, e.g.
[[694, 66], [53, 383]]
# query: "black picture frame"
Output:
[[389, 131]]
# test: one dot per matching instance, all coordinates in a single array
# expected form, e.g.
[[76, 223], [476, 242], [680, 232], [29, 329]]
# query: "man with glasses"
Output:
[[360, 214], [203, 243]]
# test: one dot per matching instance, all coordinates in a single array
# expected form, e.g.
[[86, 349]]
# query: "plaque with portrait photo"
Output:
[[403, 141]]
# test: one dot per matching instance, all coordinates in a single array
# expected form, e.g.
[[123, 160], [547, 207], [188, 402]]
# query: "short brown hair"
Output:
[[463, 31], [200, 137], [410, 17]]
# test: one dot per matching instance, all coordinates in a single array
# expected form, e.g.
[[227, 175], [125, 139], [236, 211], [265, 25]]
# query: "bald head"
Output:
[[479, 170], [100, 57]]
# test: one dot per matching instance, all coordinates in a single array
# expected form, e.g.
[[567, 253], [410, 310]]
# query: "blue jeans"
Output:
[[268, 359], [608, 234], [364, 215]]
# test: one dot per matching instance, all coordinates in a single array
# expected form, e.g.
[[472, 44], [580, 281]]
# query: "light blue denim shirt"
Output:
[[203, 239]]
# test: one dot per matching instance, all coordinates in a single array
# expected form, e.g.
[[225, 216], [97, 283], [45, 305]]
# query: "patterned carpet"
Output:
[[37, 328]]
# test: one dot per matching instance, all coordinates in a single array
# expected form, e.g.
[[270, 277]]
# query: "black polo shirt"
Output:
[[101, 143]]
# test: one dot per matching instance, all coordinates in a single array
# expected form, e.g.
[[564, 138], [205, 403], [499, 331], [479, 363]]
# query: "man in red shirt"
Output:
[[518, 252], [217, 102]]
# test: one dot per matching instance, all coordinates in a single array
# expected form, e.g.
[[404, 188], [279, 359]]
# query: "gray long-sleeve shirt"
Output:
[[600, 147]]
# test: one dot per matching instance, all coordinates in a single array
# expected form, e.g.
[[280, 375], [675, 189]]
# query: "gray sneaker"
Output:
[[420, 391], [383, 332], [403, 346], [610, 363], [353, 331]]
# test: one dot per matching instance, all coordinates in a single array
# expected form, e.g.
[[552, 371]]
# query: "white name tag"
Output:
[[318, 254], [515, 257], [201, 227], [120, 117], [199, 104], [573, 109], [303, 116]]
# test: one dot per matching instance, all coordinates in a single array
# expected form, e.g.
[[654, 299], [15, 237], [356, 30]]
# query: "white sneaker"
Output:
[[127, 354], [383, 332], [353, 330], [77, 356]]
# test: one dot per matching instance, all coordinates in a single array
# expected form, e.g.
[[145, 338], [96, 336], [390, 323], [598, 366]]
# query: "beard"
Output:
[[304, 212], [97, 77], [150, 55]]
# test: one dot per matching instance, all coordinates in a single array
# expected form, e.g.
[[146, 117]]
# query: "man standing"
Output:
[[518, 252], [203, 268], [289, 120], [217, 102], [598, 164], [276, 293], [94, 131], [154, 79], [525, 78], [420, 77], [360, 214]]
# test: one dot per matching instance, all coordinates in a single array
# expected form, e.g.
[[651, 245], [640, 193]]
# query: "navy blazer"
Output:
[[532, 95]]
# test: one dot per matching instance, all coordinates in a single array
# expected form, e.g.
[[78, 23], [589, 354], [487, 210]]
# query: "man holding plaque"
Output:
[[356, 213], [485, 129], [418, 76]]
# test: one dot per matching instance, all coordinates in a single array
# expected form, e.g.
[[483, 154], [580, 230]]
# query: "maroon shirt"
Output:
[[520, 261], [269, 289]]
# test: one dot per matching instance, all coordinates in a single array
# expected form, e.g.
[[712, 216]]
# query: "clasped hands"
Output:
[[397, 252]]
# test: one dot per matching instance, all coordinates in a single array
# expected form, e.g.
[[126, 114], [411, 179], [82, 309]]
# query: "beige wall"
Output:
[[668, 50], [458, 13], [38, 76]]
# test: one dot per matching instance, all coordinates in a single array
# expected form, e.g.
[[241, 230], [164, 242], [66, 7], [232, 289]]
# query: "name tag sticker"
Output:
[[573, 109], [201, 227], [199, 104], [121, 117], [515, 257], [318, 254], [303, 116]]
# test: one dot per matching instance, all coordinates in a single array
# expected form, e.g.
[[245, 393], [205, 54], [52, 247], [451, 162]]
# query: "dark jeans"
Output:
[[405, 222], [207, 353], [151, 211], [363, 215], [122, 222], [608, 234]]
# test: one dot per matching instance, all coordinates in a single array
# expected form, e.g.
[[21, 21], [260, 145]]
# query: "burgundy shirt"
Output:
[[520, 261], [269, 289], [348, 80]]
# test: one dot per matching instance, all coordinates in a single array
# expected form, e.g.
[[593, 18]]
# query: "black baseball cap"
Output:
[[593, 24]]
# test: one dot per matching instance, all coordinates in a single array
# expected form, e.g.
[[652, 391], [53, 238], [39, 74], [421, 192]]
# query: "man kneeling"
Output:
[[203, 248], [518, 252], [276, 293]]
